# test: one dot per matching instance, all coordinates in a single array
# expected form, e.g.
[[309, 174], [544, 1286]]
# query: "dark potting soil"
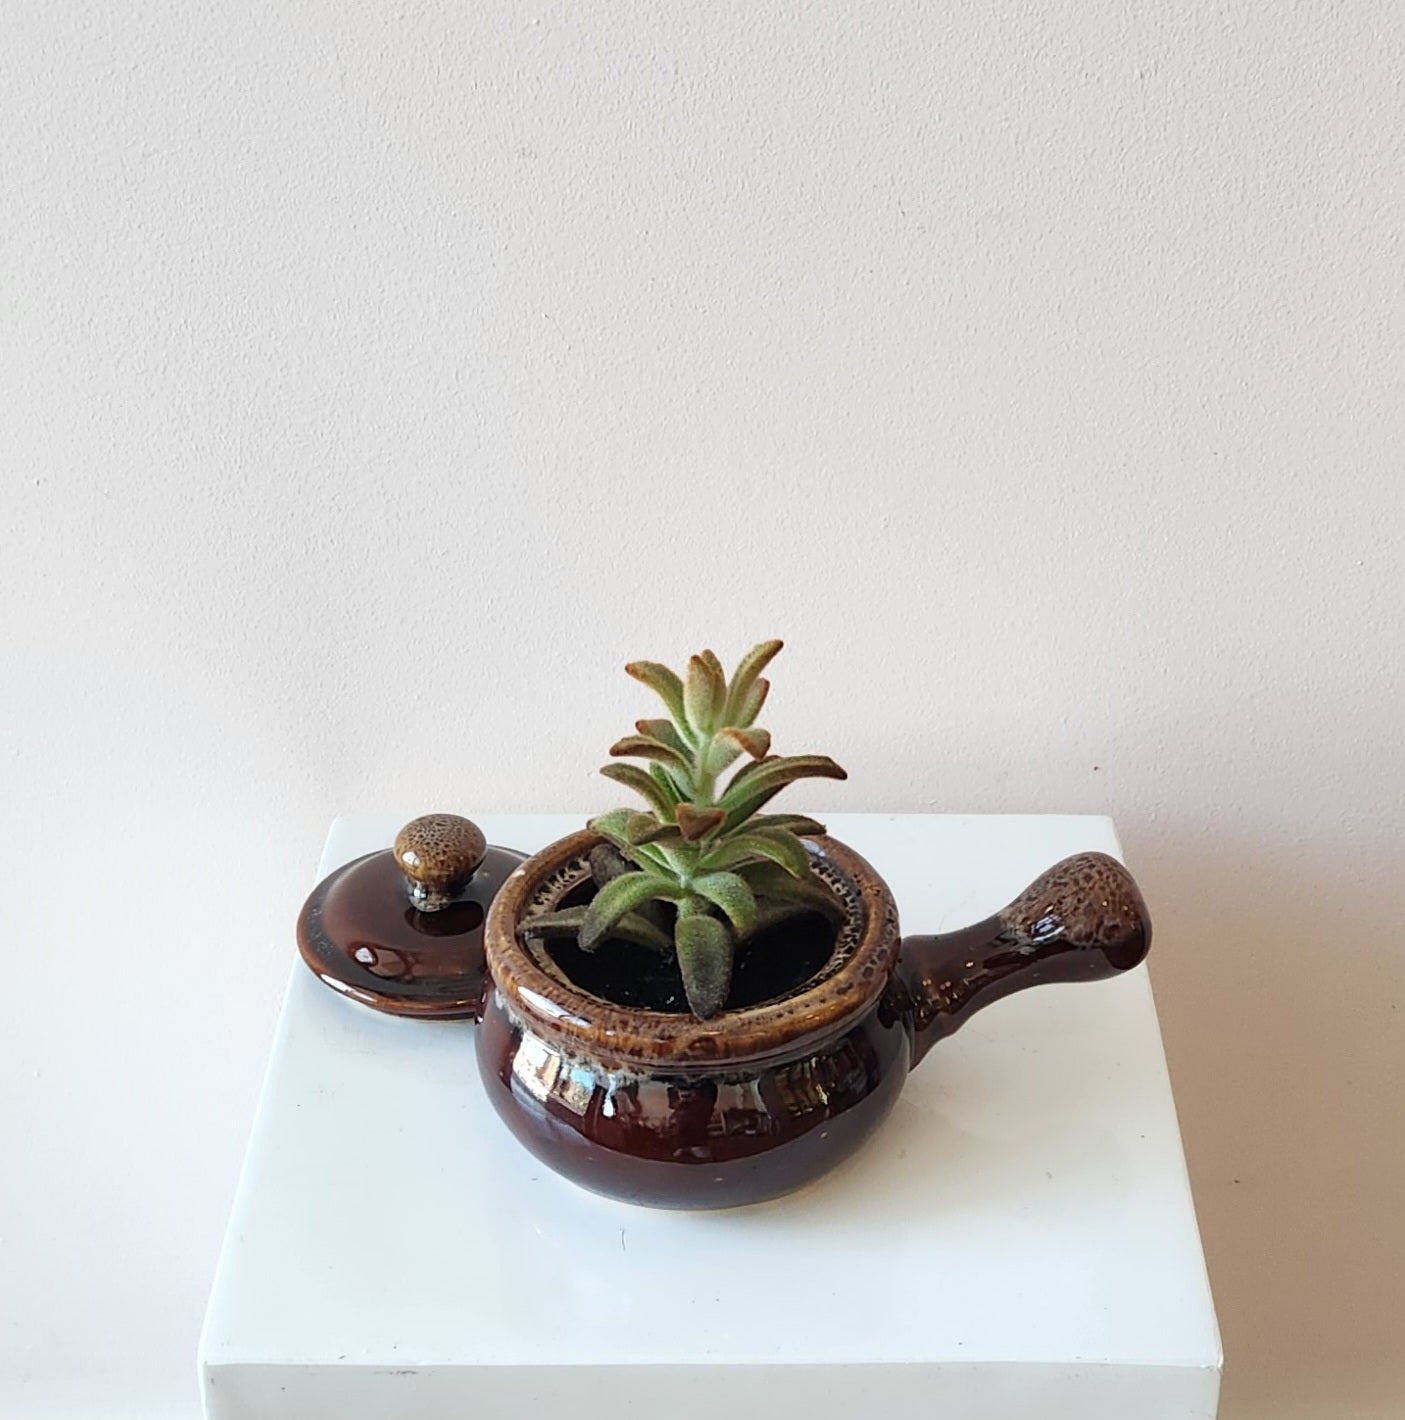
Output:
[[774, 963]]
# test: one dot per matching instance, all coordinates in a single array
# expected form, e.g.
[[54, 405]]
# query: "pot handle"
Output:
[[1081, 921]]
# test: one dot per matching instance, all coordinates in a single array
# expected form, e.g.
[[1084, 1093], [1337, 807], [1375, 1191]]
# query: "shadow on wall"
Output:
[[1280, 975]]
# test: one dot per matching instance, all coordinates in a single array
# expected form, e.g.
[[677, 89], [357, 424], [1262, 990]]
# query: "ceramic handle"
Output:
[[1082, 920]]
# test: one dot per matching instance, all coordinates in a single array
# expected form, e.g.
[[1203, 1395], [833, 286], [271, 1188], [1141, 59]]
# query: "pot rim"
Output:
[[585, 1024]]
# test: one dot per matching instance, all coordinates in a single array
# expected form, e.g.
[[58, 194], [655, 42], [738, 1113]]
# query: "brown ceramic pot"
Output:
[[666, 1110]]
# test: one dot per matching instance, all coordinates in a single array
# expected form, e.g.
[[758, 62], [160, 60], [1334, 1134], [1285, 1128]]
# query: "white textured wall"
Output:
[[375, 380]]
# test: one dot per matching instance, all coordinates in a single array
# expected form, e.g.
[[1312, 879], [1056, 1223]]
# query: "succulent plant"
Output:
[[701, 869]]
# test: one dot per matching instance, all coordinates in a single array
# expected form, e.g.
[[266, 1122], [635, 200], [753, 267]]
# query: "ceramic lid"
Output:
[[402, 930]]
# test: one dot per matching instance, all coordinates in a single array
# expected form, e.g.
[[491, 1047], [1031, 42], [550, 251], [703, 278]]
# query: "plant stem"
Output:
[[704, 784]]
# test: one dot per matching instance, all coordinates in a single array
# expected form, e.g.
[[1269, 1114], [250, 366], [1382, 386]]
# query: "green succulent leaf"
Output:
[[705, 946], [631, 927], [696, 823], [791, 823], [667, 787], [607, 862], [612, 826], [775, 845], [682, 783], [721, 752], [771, 882], [624, 894], [746, 807], [748, 772], [651, 857], [646, 828], [635, 927], [564, 923], [714, 665], [748, 707], [644, 747], [647, 785], [666, 733], [729, 892], [663, 682], [761, 780], [680, 858], [753, 740], [785, 769], [703, 691], [744, 678]]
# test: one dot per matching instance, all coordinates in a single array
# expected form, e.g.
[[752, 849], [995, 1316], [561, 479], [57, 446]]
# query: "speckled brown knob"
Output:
[[438, 853]]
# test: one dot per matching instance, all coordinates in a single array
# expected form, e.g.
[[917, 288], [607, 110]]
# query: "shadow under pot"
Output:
[[635, 1098]]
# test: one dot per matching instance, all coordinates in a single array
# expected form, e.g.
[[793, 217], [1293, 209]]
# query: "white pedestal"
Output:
[[393, 1252]]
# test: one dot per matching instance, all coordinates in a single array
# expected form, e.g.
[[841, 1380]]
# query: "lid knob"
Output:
[[438, 853]]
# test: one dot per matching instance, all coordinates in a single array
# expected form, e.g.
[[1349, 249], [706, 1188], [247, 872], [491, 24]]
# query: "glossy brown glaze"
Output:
[[706, 1139], [1083, 920], [663, 1109], [362, 936], [438, 854]]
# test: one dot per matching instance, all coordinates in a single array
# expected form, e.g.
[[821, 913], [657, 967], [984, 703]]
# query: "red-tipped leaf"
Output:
[[755, 741], [662, 681], [696, 823], [744, 678], [702, 696], [643, 747], [635, 778]]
